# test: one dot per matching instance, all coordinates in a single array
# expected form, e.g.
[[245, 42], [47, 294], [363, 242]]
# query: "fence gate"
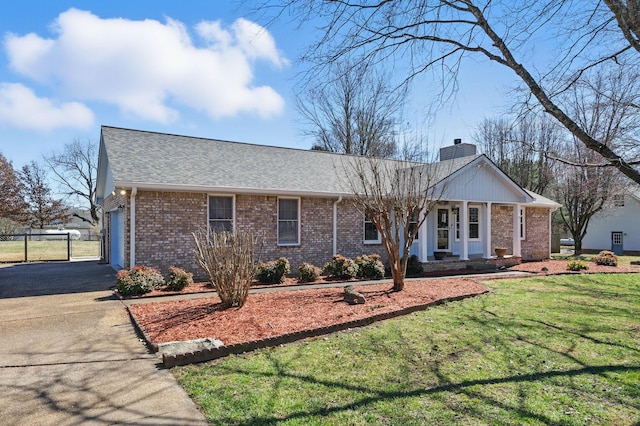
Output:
[[16, 248]]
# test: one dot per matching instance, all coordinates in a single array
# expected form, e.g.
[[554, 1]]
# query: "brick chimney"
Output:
[[457, 150]]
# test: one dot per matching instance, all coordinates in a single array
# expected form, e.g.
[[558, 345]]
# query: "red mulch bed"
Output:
[[275, 313]]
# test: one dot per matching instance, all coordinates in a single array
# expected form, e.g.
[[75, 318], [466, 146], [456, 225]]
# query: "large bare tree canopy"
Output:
[[353, 111], [75, 170], [550, 45]]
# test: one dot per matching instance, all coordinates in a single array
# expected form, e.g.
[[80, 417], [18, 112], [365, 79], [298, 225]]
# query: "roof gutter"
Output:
[[225, 190], [132, 233]]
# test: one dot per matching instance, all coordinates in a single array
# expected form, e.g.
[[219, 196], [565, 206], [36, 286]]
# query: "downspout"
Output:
[[335, 225], [132, 230]]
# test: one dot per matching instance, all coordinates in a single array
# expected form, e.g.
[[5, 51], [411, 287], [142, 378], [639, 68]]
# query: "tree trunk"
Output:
[[398, 281], [577, 246]]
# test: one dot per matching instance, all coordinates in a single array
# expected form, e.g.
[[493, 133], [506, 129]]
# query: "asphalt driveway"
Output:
[[69, 354]]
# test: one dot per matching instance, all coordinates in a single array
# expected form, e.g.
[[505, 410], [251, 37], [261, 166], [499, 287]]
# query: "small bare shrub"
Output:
[[228, 260], [606, 257], [178, 279]]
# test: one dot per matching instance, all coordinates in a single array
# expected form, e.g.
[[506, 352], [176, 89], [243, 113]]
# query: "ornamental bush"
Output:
[[308, 273], [178, 279], [606, 257], [370, 266], [576, 265], [273, 272], [414, 267], [341, 267], [138, 280]]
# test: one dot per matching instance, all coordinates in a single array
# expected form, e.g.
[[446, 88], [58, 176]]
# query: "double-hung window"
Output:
[[288, 221], [521, 217], [474, 223], [473, 219], [371, 235], [220, 213]]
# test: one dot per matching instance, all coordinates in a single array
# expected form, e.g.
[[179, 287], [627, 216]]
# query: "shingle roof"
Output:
[[159, 160]]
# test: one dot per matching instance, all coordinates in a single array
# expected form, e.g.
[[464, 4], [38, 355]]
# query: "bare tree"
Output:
[[12, 204], [397, 196], [43, 209], [229, 262], [352, 111], [521, 149], [75, 170], [583, 192], [437, 35]]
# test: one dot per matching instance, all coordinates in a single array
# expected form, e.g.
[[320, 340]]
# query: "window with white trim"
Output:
[[220, 213], [288, 221], [474, 223], [522, 218], [371, 235], [413, 223]]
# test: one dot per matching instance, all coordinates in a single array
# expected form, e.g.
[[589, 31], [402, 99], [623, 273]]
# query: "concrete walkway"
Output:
[[69, 354]]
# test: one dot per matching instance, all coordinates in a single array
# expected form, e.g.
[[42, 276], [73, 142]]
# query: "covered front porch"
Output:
[[462, 231], [474, 263]]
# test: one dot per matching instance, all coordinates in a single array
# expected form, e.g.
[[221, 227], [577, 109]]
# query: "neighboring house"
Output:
[[156, 189], [616, 227]]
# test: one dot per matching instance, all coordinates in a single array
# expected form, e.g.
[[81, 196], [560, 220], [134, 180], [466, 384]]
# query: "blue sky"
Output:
[[200, 68]]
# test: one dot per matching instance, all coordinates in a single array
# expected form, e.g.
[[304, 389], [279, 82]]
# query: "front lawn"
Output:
[[548, 350]]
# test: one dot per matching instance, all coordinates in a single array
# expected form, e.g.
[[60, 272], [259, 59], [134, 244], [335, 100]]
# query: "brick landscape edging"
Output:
[[238, 348]]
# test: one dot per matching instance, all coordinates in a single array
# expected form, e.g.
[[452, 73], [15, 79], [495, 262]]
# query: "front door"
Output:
[[616, 243], [442, 230]]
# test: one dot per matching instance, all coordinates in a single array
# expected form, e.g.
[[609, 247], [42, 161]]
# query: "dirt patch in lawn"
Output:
[[273, 314]]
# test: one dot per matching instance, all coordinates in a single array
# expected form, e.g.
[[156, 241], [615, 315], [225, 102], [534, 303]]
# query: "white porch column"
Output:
[[464, 230], [422, 239], [487, 226], [516, 231]]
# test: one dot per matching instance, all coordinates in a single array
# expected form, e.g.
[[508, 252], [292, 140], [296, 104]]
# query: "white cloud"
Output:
[[20, 107], [148, 68]]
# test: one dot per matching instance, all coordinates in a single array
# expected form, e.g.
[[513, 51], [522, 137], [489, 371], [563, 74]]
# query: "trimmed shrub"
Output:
[[273, 272], [370, 266], [606, 257], [138, 280], [576, 265], [178, 279], [414, 267], [308, 273], [341, 267]]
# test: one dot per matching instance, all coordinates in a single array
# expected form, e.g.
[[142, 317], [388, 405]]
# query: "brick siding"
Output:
[[165, 221], [535, 246]]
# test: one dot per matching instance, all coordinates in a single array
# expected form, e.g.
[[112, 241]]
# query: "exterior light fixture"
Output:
[[123, 191]]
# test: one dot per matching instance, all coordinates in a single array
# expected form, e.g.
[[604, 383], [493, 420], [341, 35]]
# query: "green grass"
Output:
[[559, 350], [622, 260], [13, 251]]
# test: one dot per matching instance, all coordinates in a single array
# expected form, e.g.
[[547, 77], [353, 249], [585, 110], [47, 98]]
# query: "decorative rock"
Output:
[[353, 297], [189, 346]]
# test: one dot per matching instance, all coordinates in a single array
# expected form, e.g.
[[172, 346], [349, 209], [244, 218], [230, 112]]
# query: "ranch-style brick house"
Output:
[[157, 189]]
